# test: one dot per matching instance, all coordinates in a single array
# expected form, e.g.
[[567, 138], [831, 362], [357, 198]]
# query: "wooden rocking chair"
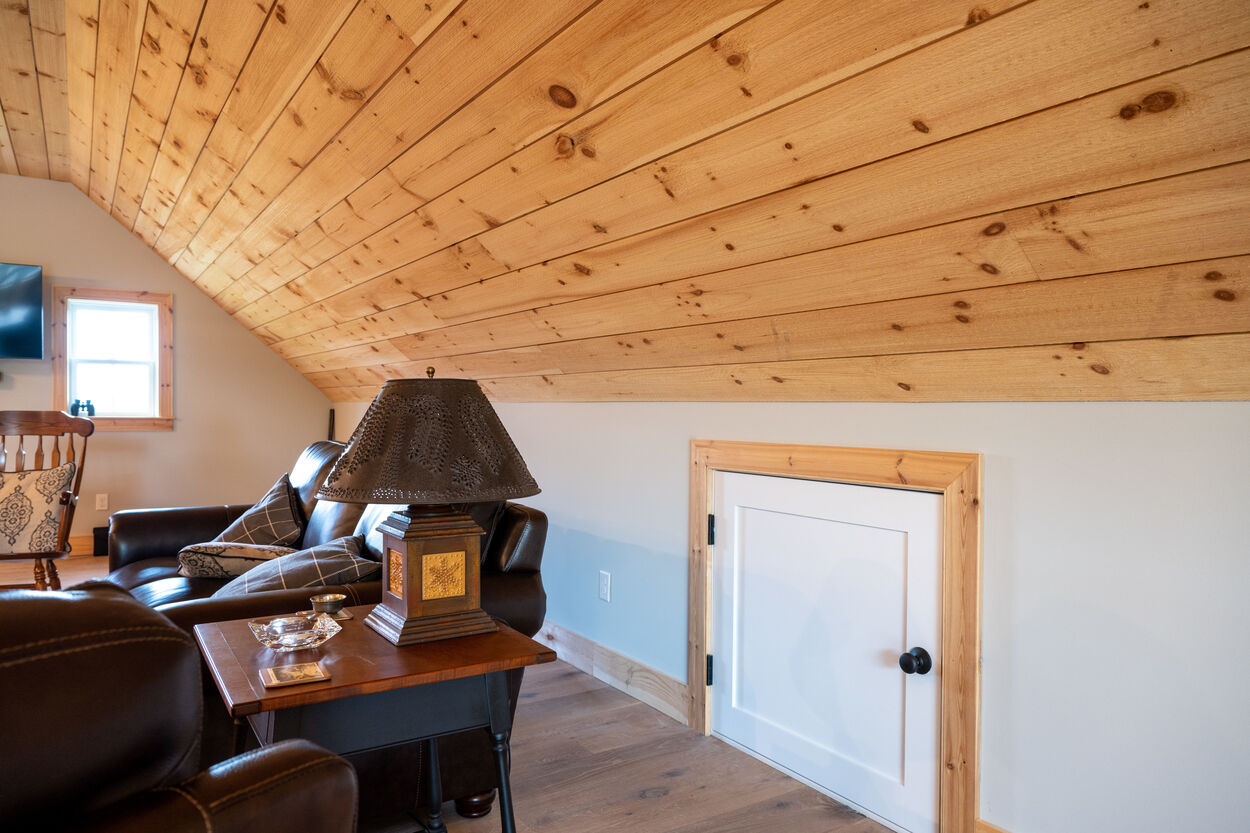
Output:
[[40, 474]]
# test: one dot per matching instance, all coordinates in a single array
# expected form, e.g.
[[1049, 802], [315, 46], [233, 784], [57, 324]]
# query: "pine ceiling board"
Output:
[[1205, 123], [290, 44], [8, 161], [47, 27], [1199, 298], [117, 52], [480, 42], [777, 56], [973, 79], [1149, 370], [1200, 215], [418, 21], [19, 91], [365, 54], [967, 254], [1022, 162], [615, 44], [381, 353], [168, 33], [238, 295], [227, 32], [385, 292], [81, 25]]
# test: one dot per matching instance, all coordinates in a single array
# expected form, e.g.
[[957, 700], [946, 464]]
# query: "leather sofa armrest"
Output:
[[290, 787], [187, 614], [137, 534], [518, 542]]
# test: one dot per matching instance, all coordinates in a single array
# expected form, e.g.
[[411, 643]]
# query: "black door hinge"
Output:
[[709, 669], [711, 530]]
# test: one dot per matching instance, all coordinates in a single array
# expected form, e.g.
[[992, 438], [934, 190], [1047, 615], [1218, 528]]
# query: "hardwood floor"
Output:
[[73, 570], [590, 759]]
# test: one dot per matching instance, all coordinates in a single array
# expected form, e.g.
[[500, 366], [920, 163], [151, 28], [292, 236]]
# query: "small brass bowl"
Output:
[[331, 603]]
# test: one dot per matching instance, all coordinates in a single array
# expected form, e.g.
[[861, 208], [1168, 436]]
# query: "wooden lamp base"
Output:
[[431, 586], [401, 631]]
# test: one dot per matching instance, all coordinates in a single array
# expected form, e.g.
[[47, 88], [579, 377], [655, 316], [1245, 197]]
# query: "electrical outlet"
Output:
[[605, 585], [102, 501]]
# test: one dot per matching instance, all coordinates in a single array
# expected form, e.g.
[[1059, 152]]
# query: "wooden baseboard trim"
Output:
[[656, 689], [985, 827], [81, 545]]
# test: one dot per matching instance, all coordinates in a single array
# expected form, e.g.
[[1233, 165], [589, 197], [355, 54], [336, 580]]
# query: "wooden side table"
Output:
[[378, 694]]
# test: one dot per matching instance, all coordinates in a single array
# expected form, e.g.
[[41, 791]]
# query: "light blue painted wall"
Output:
[[1116, 576]]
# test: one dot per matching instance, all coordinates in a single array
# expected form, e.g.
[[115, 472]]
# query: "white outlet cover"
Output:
[[605, 585]]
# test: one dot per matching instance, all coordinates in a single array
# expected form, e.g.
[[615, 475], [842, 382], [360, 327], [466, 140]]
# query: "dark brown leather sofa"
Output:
[[143, 549], [100, 701]]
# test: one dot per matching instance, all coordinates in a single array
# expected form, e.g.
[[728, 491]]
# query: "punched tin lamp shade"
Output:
[[432, 444], [429, 441]]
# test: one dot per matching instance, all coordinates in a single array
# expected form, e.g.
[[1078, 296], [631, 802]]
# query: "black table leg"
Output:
[[433, 789], [499, 741], [238, 738]]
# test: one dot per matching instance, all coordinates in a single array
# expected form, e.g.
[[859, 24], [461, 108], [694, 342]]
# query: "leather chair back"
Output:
[[126, 689], [310, 471]]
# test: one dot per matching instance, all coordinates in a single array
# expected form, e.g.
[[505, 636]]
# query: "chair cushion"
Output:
[[274, 519], [30, 508], [218, 560], [335, 562], [174, 589], [141, 572]]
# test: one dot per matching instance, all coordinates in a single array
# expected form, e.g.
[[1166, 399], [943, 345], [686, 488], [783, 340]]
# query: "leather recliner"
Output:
[[100, 704], [143, 548]]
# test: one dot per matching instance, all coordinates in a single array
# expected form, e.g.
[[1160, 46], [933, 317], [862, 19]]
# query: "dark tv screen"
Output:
[[21, 311]]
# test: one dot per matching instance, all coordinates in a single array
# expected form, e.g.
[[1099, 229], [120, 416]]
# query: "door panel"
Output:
[[818, 587]]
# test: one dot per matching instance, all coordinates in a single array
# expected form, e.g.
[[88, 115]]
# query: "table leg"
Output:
[[239, 737], [499, 741], [433, 789]]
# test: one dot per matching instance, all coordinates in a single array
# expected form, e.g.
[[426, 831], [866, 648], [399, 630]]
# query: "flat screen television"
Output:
[[21, 311]]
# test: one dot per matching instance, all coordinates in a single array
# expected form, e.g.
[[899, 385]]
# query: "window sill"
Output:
[[133, 423]]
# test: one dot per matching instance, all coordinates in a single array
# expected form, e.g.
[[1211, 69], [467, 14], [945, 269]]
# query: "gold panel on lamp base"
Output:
[[431, 584]]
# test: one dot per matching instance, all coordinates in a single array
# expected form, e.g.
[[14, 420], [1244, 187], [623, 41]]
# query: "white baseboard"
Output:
[[656, 689]]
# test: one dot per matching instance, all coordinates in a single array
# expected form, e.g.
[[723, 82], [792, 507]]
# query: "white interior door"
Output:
[[818, 588]]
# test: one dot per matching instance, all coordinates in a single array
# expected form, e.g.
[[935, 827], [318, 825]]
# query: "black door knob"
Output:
[[916, 661]]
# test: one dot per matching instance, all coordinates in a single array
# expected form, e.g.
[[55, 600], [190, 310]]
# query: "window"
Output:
[[114, 348]]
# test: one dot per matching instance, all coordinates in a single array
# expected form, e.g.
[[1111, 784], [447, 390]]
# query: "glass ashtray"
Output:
[[294, 632]]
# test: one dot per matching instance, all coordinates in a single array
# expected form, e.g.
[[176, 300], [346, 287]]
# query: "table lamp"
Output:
[[433, 444]]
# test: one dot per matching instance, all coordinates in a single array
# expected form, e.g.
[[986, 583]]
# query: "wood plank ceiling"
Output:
[[888, 200]]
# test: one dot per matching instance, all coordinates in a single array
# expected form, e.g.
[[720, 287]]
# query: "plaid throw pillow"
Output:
[[213, 560], [273, 520], [334, 562]]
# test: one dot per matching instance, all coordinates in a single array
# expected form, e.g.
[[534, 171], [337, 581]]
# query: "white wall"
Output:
[[1116, 576], [241, 413]]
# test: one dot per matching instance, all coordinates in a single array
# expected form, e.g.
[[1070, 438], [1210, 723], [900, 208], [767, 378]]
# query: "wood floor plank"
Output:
[[590, 759]]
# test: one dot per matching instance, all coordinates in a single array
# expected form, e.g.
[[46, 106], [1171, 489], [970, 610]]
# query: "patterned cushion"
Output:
[[30, 508], [334, 562], [218, 560], [274, 519]]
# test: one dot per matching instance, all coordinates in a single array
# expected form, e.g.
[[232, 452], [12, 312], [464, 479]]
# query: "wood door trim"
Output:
[[958, 477]]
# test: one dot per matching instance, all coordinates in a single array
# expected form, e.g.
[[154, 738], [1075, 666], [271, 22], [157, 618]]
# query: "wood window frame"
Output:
[[164, 302], [958, 478]]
